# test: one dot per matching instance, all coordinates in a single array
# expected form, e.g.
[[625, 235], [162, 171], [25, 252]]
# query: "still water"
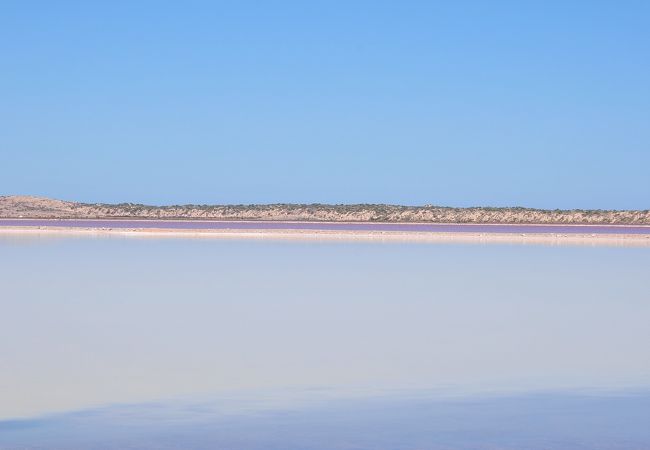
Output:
[[167, 224], [131, 342]]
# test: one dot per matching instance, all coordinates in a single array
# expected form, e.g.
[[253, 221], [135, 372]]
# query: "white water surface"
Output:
[[89, 322]]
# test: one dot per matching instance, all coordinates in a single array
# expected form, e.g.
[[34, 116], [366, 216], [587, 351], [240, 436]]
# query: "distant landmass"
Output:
[[45, 208]]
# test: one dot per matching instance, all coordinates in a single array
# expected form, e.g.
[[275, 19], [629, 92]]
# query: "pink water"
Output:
[[326, 226]]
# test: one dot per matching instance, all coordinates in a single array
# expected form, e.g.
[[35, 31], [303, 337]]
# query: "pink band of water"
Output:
[[325, 226]]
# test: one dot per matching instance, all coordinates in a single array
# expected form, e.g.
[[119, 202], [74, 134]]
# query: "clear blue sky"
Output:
[[543, 104]]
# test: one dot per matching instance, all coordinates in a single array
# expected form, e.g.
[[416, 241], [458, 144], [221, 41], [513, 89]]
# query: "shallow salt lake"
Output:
[[236, 225], [128, 342]]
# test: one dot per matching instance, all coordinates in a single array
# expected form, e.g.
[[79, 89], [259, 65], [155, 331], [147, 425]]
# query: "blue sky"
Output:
[[543, 104]]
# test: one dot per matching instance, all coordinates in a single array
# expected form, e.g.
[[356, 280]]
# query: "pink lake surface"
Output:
[[327, 226]]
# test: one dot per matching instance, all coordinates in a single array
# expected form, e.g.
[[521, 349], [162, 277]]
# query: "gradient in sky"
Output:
[[542, 104]]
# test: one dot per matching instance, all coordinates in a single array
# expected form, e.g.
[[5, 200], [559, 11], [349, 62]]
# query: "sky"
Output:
[[500, 103]]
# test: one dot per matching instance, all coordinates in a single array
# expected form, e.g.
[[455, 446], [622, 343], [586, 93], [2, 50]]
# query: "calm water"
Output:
[[328, 226], [114, 342]]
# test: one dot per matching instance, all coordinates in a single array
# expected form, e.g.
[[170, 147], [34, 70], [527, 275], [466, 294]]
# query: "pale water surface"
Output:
[[125, 342]]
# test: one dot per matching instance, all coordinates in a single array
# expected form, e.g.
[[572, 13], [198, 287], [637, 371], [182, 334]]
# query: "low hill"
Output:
[[38, 207]]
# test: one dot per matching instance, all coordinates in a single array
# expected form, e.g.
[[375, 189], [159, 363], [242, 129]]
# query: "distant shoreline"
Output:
[[27, 207]]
